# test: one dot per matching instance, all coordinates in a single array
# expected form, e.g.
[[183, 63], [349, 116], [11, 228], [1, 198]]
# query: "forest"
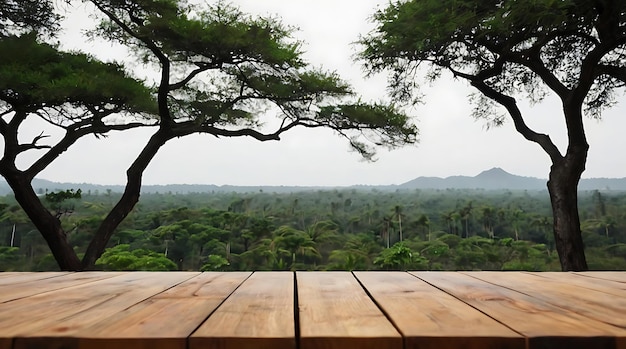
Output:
[[325, 229]]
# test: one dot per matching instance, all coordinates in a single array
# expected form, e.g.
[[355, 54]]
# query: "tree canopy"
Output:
[[214, 70], [509, 49], [27, 15]]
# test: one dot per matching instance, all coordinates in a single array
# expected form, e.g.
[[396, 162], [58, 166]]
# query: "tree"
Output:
[[36, 80], [218, 70], [397, 210], [26, 15], [121, 257], [400, 257], [507, 49]]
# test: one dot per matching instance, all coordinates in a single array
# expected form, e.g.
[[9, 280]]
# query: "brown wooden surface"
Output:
[[545, 324], [36, 284], [167, 319], [336, 313], [312, 310], [429, 318], [258, 315], [53, 319]]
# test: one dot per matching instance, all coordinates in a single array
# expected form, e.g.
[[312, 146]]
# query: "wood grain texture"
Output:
[[544, 324], [429, 318], [167, 319], [335, 312], [36, 285], [192, 310], [618, 276], [583, 301], [12, 278], [55, 317], [559, 291], [614, 288], [258, 315]]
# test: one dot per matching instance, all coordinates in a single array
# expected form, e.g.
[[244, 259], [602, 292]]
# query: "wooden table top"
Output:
[[312, 310]]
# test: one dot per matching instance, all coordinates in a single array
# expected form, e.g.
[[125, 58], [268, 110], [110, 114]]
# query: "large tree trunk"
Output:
[[563, 189], [127, 202], [48, 225]]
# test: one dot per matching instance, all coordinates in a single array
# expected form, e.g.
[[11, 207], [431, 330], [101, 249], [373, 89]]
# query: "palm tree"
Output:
[[466, 214], [398, 212], [516, 218], [295, 241], [487, 217], [423, 221]]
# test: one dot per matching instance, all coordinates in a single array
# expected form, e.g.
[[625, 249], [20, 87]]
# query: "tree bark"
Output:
[[127, 202], [48, 225], [563, 189]]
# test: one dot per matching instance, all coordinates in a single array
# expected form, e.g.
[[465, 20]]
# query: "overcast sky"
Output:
[[451, 142]]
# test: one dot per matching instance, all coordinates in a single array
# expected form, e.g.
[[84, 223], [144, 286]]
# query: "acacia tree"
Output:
[[507, 49], [218, 70]]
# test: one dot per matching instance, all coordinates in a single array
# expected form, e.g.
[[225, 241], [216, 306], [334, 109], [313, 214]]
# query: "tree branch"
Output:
[[510, 104], [163, 89], [71, 136], [189, 77]]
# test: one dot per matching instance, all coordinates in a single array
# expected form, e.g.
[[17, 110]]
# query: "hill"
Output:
[[498, 179], [493, 179]]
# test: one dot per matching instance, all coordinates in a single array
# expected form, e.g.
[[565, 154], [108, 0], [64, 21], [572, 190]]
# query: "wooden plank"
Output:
[[51, 319], [165, 320], [545, 325], [12, 278], [588, 302], [335, 312], [258, 315], [26, 288], [613, 288], [430, 318], [618, 276], [593, 304]]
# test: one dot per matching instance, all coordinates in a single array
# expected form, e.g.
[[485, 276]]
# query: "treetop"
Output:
[[514, 46]]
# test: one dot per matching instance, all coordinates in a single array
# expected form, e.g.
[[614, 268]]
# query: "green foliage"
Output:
[[121, 257], [387, 124], [57, 198], [501, 43], [508, 49], [400, 257], [215, 263], [63, 78], [240, 66], [10, 258], [27, 15], [266, 232], [218, 71]]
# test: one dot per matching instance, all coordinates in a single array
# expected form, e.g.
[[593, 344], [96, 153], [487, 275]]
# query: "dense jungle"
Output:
[[325, 229]]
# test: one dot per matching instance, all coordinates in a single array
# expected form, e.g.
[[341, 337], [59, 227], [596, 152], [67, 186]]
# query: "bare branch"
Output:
[[520, 125], [190, 76], [71, 136]]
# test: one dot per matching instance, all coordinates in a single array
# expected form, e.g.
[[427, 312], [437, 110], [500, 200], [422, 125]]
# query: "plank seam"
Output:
[[595, 276], [548, 301], [373, 299], [158, 293], [296, 310], [187, 341], [56, 289], [478, 309]]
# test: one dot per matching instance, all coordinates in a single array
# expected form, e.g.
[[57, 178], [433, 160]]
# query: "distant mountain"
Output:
[[498, 179], [493, 179]]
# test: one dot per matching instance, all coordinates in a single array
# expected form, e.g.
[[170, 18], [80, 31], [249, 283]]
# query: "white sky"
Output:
[[451, 142]]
